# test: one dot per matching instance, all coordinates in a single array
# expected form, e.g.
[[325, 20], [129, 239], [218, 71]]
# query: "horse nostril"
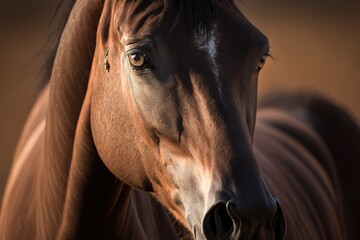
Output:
[[217, 223], [223, 218], [223, 221], [278, 223]]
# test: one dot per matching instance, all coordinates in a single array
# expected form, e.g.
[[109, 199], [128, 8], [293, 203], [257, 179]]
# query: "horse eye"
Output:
[[261, 62], [138, 61]]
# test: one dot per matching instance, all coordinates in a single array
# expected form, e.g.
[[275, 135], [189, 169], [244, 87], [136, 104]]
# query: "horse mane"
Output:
[[47, 53], [198, 14]]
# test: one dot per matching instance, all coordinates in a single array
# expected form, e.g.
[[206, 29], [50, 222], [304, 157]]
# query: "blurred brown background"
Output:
[[315, 44]]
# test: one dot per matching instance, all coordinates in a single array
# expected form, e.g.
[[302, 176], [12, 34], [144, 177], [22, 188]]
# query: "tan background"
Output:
[[315, 44]]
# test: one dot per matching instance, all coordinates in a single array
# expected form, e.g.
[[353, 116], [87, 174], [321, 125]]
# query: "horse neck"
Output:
[[92, 191], [67, 171]]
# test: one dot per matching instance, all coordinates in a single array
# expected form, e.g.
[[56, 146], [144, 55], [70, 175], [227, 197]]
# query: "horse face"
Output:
[[173, 113]]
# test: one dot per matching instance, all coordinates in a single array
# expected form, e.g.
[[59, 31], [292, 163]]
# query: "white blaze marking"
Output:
[[205, 186], [209, 45], [19, 162]]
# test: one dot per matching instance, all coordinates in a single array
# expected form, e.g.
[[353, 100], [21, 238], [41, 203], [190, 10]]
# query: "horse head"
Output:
[[173, 107]]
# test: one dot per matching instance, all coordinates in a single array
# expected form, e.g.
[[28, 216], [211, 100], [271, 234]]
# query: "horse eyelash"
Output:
[[269, 55]]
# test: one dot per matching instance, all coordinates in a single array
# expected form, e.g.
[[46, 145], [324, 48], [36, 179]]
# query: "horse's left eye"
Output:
[[261, 62], [138, 61]]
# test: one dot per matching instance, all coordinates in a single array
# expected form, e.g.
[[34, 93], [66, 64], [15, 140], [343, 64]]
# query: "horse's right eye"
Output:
[[261, 63], [138, 61]]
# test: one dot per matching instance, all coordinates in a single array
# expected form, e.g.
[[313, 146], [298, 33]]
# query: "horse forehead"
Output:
[[138, 17]]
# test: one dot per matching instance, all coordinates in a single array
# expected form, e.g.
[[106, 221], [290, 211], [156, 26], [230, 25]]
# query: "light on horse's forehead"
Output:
[[209, 45]]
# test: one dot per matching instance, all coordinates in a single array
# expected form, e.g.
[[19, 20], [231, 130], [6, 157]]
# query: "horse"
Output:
[[148, 128]]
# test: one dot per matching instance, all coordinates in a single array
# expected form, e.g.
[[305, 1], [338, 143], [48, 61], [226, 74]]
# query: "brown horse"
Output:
[[146, 131]]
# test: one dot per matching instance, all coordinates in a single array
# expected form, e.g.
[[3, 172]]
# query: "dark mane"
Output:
[[46, 55], [198, 14]]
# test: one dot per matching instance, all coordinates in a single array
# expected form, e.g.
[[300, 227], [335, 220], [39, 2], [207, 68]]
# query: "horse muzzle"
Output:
[[228, 220]]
